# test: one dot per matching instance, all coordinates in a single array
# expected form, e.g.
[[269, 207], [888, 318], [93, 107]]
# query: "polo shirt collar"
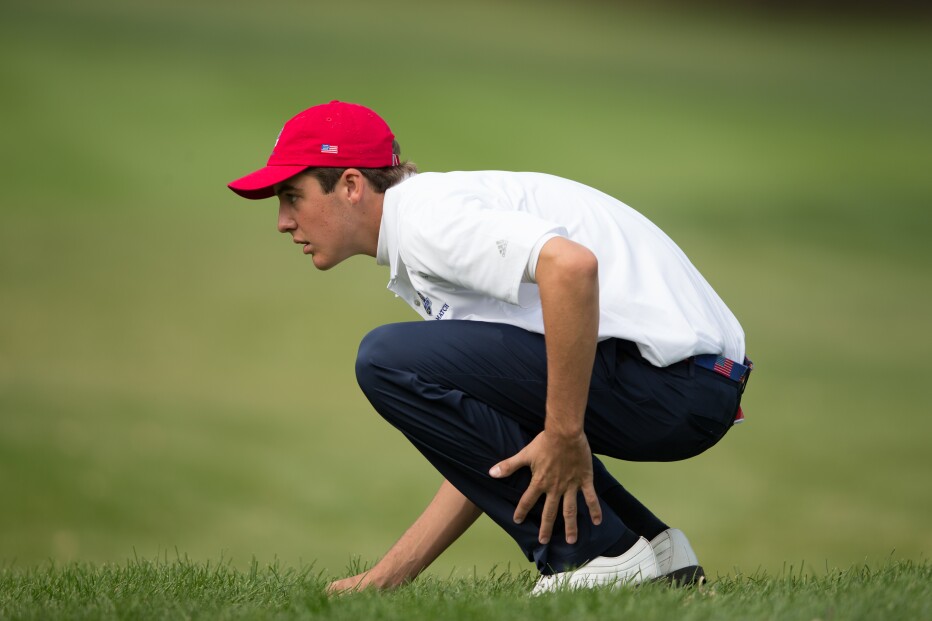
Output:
[[387, 250]]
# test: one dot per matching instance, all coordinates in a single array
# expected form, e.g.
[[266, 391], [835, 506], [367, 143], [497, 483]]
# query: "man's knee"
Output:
[[377, 351]]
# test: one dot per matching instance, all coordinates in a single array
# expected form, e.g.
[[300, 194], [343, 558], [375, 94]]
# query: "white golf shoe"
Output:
[[638, 564], [676, 561]]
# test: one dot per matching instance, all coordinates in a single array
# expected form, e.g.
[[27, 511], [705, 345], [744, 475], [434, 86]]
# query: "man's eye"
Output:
[[291, 198]]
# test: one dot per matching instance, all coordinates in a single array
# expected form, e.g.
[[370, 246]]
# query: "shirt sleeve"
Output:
[[530, 271], [474, 242]]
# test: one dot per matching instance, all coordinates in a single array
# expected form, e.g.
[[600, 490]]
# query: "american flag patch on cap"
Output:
[[329, 148]]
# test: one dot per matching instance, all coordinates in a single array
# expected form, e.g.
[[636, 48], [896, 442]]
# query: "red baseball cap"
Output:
[[335, 135]]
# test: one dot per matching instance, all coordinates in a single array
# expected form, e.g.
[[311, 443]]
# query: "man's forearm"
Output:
[[447, 517], [559, 457], [567, 276]]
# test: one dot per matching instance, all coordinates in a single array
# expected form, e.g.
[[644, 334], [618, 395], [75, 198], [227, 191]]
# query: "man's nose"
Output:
[[285, 221]]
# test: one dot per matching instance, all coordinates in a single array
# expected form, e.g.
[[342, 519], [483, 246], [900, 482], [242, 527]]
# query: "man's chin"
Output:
[[322, 263]]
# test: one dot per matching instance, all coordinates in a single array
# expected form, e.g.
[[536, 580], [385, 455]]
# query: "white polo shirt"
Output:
[[459, 245]]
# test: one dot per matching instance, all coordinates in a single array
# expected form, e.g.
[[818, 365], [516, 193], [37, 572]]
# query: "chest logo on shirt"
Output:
[[426, 302], [502, 246]]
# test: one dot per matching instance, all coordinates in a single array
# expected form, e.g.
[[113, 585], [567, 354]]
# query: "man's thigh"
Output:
[[635, 411], [498, 364]]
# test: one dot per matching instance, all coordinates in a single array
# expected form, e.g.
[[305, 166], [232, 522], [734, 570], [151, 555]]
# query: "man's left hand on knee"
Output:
[[561, 467]]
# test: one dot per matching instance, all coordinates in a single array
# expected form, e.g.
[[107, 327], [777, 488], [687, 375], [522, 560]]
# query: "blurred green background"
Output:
[[175, 378]]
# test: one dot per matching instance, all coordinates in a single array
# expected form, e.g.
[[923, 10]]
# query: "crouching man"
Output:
[[560, 325]]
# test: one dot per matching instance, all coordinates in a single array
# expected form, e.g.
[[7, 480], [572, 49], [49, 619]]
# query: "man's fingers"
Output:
[[592, 501], [569, 515], [346, 585], [531, 494], [507, 467], [548, 517]]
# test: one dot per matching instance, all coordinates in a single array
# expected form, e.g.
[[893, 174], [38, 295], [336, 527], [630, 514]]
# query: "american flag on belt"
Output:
[[723, 366], [329, 148]]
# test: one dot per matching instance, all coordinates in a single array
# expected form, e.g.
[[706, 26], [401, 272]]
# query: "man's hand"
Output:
[[352, 584], [447, 517], [560, 466]]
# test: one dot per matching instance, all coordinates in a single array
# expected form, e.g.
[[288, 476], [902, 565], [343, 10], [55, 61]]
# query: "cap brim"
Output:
[[261, 183]]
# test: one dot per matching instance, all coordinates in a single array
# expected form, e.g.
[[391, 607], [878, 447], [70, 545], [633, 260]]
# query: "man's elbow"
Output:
[[584, 264]]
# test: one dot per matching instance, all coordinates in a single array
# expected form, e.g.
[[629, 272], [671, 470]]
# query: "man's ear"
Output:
[[353, 185]]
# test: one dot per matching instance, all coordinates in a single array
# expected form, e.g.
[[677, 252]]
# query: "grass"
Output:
[[182, 589]]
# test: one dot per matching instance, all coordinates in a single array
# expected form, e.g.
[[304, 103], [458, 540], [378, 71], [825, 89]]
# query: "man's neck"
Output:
[[371, 223]]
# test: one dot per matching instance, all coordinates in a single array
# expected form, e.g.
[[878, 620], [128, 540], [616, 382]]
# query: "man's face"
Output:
[[319, 222]]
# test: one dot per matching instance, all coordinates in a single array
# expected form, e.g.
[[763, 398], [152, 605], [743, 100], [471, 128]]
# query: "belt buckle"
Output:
[[743, 382]]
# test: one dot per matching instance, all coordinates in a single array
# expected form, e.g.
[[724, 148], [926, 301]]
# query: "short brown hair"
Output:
[[380, 178]]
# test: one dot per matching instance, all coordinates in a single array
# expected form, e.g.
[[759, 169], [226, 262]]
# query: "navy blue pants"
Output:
[[469, 394]]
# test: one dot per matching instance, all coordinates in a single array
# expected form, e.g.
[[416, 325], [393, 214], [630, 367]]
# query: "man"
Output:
[[560, 323]]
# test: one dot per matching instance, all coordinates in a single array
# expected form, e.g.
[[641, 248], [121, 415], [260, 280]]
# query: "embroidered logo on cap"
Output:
[[329, 148]]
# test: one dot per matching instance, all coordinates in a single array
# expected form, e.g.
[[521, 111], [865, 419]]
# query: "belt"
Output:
[[735, 371], [723, 366]]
